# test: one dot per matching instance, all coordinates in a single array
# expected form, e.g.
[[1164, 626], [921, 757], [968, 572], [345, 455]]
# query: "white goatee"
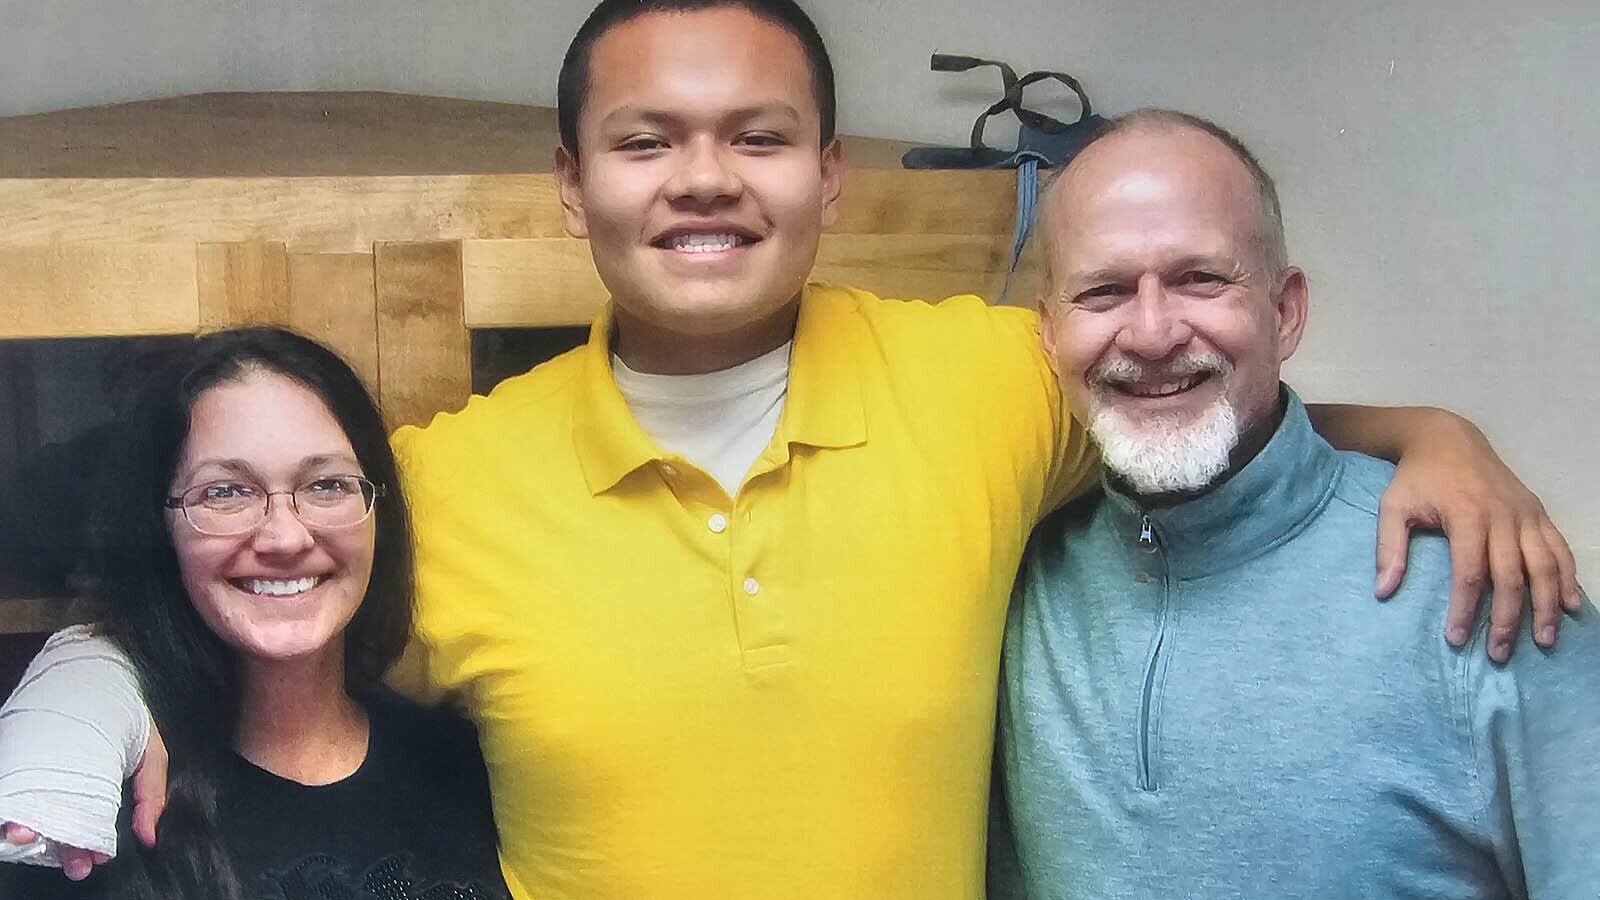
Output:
[[1170, 452]]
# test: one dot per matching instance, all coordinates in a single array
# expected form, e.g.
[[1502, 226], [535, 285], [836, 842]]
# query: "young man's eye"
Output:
[[763, 139], [641, 144]]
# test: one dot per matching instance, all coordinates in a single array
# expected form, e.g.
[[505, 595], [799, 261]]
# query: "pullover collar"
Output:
[[1262, 505]]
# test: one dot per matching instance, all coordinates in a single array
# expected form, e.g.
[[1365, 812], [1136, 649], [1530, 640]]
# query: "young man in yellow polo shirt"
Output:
[[724, 589]]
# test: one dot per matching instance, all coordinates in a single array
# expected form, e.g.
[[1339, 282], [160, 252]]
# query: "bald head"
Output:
[[1157, 123]]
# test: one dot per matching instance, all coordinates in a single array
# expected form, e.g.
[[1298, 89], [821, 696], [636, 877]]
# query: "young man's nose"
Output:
[[705, 172]]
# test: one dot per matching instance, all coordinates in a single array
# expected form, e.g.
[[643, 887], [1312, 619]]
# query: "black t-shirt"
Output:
[[413, 823]]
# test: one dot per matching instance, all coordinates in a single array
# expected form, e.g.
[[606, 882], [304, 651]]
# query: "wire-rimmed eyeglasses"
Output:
[[225, 508]]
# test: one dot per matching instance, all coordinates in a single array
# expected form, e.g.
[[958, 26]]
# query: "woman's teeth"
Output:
[[280, 588]]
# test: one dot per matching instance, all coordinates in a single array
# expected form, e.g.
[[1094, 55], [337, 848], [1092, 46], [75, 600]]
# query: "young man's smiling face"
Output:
[[702, 184]]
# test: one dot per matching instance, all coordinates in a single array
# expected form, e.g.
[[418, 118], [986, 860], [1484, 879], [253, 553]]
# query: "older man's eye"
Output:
[[1203, 278], [1099, 296]]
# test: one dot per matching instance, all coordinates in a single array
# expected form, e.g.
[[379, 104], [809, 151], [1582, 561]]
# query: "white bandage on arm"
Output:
[[70, 734]]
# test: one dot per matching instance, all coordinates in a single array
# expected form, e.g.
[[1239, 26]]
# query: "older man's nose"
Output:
[[1156, 325]]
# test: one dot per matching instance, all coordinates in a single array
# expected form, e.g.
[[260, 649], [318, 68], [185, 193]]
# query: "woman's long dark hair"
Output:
[[188, 674]]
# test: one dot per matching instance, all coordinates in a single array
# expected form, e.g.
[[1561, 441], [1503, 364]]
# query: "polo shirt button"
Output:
[[751, 586], [718, 523], [669, 470]]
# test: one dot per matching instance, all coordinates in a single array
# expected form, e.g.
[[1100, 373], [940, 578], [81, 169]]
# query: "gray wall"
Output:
[[1437, 159]]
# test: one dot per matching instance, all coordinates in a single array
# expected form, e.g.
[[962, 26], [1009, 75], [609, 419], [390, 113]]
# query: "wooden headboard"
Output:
[[390, 226]]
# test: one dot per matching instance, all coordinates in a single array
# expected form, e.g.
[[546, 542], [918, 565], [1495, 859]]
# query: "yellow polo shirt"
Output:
[[789, 693]]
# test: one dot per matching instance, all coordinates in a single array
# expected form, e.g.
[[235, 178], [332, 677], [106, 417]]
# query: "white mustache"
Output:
[[1122, 370]]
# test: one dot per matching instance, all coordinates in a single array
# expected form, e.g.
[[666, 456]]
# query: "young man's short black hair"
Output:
[[573, 84]]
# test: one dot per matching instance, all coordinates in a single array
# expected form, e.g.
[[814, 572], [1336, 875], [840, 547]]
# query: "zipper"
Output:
[[1147, 698]]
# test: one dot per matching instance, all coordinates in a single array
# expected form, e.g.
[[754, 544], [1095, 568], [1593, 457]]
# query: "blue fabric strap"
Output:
[[1027, 194]]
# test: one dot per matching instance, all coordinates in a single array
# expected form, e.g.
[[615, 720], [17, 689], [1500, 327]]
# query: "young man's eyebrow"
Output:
[[661, 118]]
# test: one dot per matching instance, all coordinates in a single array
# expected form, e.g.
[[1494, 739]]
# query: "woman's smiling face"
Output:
[[282, 590]]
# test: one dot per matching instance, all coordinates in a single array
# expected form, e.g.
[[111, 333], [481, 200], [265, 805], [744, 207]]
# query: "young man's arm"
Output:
[[1450, 478]]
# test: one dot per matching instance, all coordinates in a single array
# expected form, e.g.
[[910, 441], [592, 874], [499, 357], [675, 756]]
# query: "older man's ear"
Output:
[[1290, 301], [1047, 333]]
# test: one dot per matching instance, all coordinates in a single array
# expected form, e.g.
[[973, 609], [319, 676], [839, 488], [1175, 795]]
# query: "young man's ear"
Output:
[[832, 181], [568, 181], [1291, 303]]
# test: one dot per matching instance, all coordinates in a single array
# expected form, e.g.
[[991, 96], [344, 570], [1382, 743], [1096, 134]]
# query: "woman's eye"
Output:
[[228, 490], [334, 486]]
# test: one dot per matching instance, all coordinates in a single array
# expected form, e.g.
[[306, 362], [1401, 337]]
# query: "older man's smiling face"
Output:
[[1166, 322]]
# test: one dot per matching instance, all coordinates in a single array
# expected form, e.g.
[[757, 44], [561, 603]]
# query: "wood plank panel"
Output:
[[330, 214], [888, 201], [303, 133], [244, 283], [97, 290], [552, 282], [424, 350], [926, 267], [349, 214], [333, 298], [531, 283]]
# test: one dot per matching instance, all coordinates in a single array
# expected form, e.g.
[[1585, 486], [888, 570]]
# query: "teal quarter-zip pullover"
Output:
[[1206, 701]]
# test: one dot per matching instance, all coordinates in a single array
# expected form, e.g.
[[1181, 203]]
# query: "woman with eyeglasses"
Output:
[[253, 546]]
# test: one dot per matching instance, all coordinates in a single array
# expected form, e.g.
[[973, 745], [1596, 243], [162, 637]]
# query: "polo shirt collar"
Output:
[[610, 443], [824, 407]]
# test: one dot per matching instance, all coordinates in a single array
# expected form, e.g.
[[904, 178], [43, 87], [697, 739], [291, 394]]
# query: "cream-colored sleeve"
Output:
[[70, 734]]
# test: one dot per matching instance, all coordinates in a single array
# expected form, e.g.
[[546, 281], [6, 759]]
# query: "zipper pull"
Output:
[[1147, 534]]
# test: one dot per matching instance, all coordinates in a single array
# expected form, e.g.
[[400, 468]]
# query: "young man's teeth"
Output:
[[281, 588], [704, 243]]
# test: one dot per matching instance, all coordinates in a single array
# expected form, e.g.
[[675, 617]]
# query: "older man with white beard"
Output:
[[1165, 730]]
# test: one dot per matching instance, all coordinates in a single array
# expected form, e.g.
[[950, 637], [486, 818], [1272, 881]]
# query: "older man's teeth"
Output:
[[704, 243], [280, 588], [1167, 389]]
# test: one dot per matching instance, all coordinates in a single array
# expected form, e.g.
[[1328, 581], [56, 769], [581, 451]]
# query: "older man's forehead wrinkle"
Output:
[[1163, 257]]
